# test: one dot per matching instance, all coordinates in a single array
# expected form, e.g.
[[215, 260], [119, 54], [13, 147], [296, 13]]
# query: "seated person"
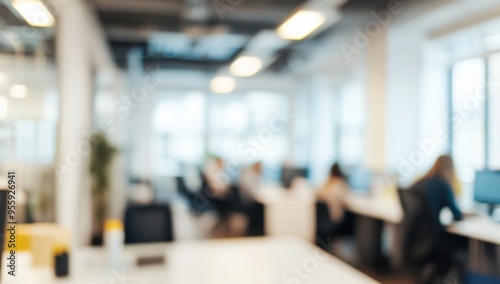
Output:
[[436, 187], [249, 182], [218, 191], [333, 194]]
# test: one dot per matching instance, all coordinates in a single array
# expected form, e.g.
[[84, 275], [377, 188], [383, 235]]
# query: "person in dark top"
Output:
[[437, 187]]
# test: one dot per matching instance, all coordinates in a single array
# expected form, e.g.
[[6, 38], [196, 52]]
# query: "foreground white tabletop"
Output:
[[249, 260]]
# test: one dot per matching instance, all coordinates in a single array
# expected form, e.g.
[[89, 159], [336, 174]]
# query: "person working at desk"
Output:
[[249, 182], [436, 187], [333, 193], [219, 191]]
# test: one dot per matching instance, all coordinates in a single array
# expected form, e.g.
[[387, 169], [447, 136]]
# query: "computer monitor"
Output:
[[289, 173], [487, 188], [360, 180]]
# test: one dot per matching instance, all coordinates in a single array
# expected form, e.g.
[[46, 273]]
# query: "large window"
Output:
[[269, 114], [240, 128], [246, 128], [323, 136], [468, 117], [228, 124], [476, 115], [28, 129], [178, 129], [474, 103], [352, 122], [494, 112]]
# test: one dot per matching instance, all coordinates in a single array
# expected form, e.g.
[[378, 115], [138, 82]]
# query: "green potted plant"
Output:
[[101, 157]]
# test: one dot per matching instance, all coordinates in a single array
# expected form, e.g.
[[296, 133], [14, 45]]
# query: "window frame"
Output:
[[486, 56]]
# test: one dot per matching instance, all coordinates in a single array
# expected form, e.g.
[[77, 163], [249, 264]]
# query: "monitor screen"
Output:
[[360, 179], [487, 187], [288, 174]]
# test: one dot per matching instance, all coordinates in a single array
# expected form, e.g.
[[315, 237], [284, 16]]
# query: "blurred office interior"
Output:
[[206, 130]]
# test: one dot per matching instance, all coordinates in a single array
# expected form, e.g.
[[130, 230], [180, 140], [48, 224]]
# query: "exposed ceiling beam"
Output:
[[153, 7]]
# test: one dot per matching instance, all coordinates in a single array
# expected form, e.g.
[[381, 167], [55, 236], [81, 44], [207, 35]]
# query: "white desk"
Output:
[[482, 232], [389, 211], [386, 209], [292, 213], [243, 261], [373, 215], [288, 212], [484, 243], [479, 228]]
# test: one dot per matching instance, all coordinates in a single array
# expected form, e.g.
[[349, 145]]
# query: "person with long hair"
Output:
[[333, 193], [437, 186]]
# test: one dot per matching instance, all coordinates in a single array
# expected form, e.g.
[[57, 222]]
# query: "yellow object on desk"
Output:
[[113, 224], [43, 240]]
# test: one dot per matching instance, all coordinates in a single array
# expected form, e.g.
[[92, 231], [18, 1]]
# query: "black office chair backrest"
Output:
[[148, 223], [323, 220], [182, 189], [419, 232], [288, 174]]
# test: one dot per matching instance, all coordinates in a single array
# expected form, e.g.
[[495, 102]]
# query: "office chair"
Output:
[[327, 230], [148, 223], [256, 221], [419, 231], [324, 224], [183, 191], [421, 236]]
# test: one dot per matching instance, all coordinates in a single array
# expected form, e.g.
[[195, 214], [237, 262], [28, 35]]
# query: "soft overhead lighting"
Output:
[[222, 85], [18, 91], [300, 25], [246, 66], [34, 12]]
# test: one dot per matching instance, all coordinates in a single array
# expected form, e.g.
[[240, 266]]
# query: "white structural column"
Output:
[[376, 76], [403, 89], [75, 88]]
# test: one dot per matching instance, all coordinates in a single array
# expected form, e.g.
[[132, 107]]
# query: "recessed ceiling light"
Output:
[[301, 24], [245, 66], [222, 84], [18, 91], [34, 12]]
